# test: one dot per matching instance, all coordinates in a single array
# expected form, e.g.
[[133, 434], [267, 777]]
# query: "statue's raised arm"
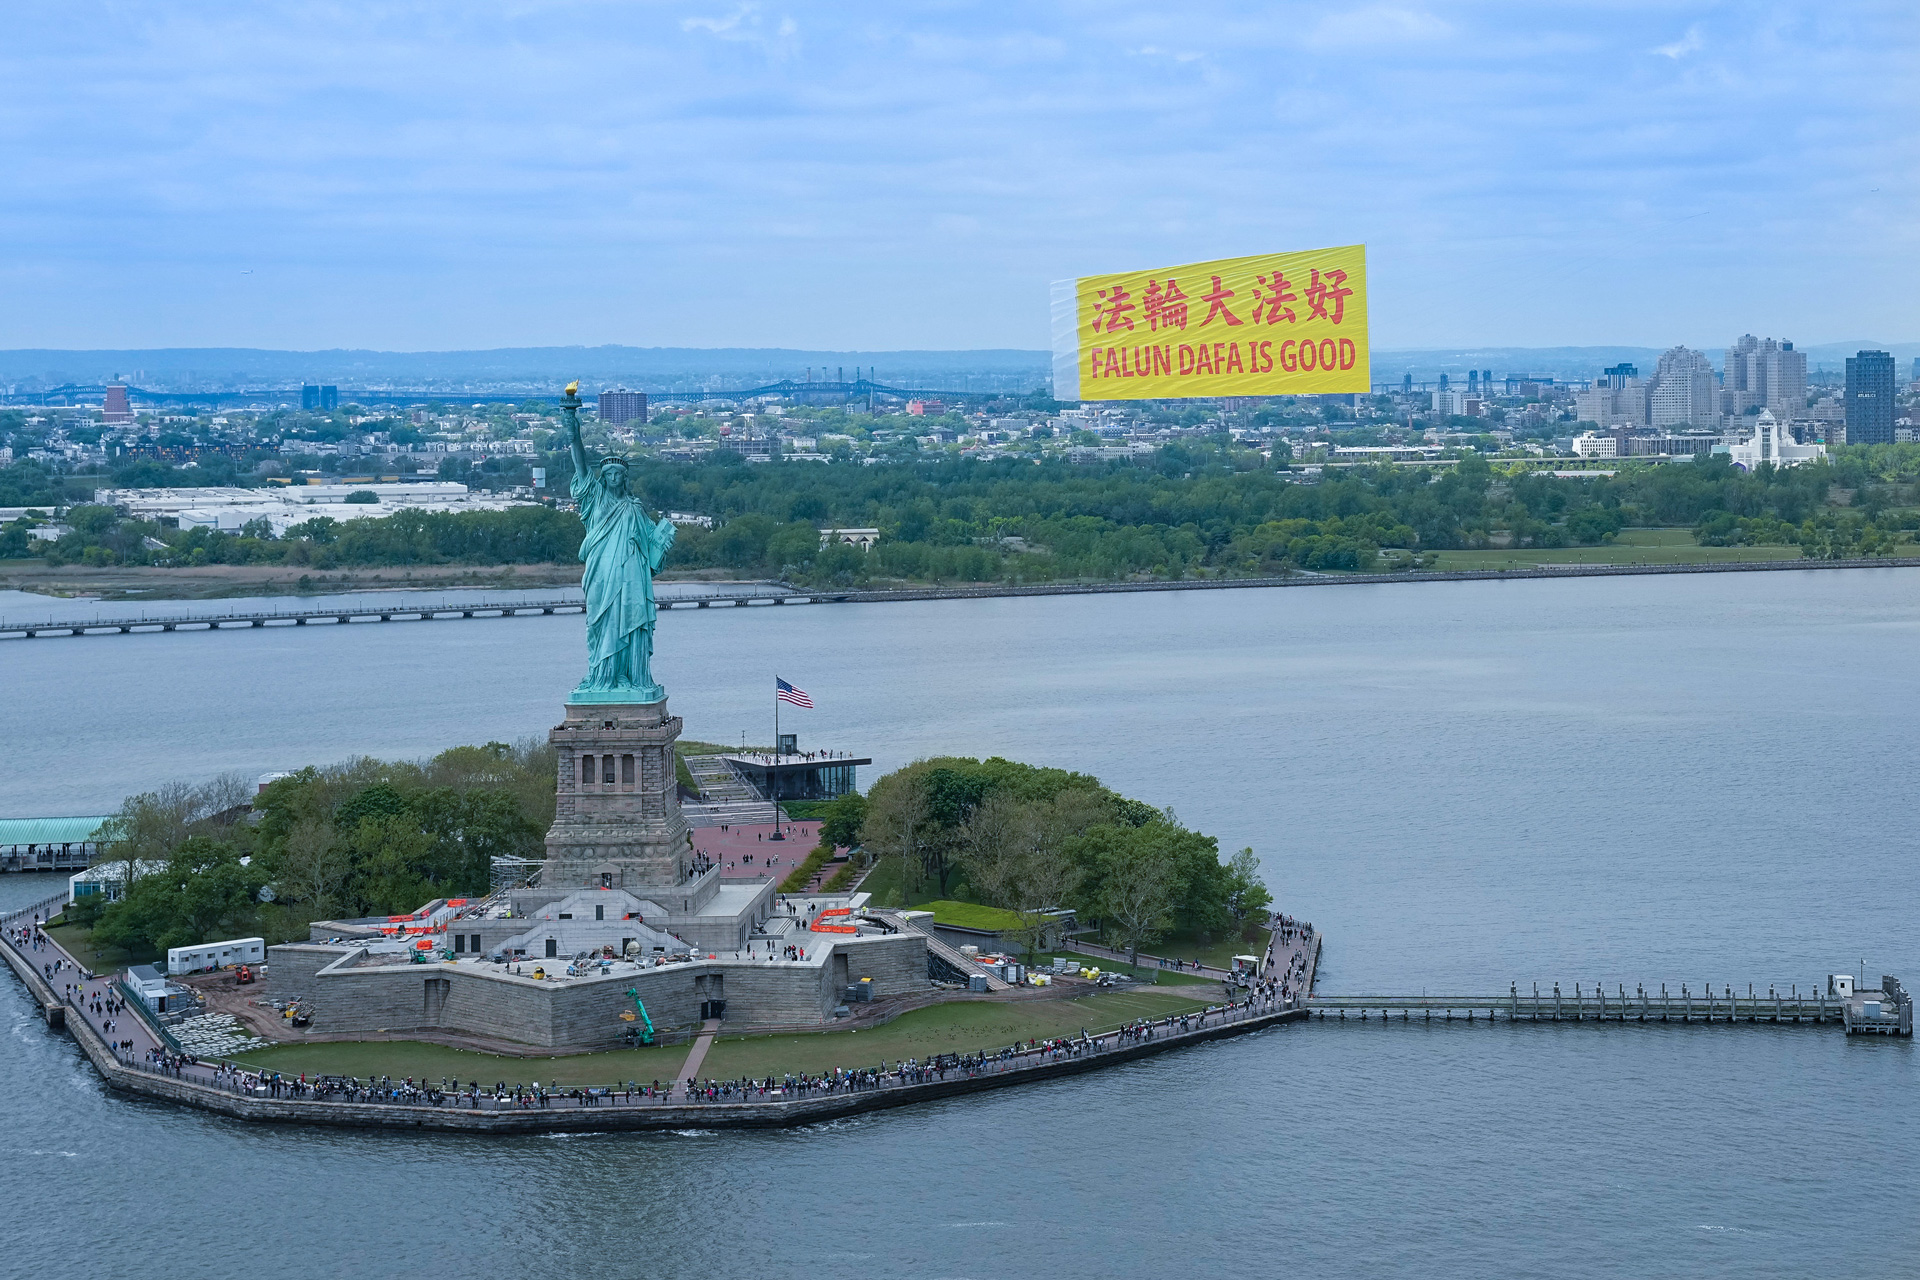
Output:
[[572, 414]]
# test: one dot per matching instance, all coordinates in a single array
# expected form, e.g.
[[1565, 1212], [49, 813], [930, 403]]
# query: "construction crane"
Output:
[[644, 1032]]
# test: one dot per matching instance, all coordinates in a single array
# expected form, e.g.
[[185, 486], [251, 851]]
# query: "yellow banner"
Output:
[[1272, 324]]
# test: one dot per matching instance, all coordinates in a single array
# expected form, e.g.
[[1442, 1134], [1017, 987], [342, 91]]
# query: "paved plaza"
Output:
[[745, 851]]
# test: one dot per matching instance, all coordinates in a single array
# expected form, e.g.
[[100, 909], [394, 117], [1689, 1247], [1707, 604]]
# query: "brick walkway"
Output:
[[743, 852]]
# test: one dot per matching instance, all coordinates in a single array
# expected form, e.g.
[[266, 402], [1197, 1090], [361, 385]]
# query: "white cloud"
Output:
[[1692, 42], [748, 25], [1151, 51]]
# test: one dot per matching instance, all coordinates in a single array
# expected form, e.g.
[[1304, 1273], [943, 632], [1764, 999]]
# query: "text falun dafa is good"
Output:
[[1270, 324]]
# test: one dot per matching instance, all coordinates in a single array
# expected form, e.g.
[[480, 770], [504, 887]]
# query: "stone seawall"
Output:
[[51, 1007], [635, 1117]]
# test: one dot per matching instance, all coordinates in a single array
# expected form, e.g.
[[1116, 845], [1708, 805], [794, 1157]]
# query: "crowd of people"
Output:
[[1294, 941], [500, 1096]]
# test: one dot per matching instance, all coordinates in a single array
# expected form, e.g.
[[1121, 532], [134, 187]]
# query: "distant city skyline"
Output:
[[812, 175]]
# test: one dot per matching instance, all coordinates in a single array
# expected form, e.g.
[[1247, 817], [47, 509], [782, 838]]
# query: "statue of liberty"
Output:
[[621, 550]]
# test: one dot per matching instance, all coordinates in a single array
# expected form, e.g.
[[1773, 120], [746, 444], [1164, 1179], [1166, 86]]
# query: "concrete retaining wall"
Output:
[[345, 997], [43, 994]]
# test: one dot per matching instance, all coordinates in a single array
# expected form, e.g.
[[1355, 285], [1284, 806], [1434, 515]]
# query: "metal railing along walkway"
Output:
[[1594, 1003]]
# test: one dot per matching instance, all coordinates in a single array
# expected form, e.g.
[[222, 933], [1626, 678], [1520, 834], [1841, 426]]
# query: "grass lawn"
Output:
[[691, 747], [102, 959], [883, 882], [399, 1058], [970, 915], [955, 1028], [1632, 546]]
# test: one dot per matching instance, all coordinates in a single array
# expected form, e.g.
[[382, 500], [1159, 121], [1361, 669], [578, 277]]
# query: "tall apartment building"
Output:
[[1683, 392], [319, 398], [116, 409], [618, 405], [1459, 404], [1616, 397], [1870, 402], [1764, 374]]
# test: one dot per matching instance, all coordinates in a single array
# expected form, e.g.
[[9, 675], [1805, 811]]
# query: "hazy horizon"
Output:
[[200, 368]]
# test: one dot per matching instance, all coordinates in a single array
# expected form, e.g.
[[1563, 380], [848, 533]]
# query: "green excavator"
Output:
[[642, 1034]]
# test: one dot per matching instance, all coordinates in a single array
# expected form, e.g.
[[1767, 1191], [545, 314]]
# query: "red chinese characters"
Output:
[[1216, 301], [1331, 291], [1111, 315], [1271, 306], [1164, 307]]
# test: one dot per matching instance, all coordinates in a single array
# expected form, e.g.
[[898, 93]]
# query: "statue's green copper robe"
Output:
[[621, 550]]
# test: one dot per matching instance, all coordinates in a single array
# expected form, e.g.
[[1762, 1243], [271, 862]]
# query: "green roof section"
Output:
[[23, 831], [969, 915]]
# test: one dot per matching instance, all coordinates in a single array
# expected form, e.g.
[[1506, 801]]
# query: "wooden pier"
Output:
[[1594, 1003]]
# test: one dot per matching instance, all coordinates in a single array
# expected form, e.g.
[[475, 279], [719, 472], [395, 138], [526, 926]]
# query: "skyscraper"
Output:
[[618, 405], [1683, 391], [1765, 374], [1870, 398], [318, 398]]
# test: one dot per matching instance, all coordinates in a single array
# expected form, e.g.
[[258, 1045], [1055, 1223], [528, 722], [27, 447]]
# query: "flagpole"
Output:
[[773, 773]]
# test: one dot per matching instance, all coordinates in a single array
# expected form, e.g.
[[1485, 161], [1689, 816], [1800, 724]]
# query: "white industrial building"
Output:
[[216, 955], [231, 509]]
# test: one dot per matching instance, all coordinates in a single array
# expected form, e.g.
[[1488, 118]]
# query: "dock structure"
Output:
[[49, 844], [1887, 1011]]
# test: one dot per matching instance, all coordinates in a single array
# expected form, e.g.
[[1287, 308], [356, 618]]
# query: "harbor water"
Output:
[[1625, 780]]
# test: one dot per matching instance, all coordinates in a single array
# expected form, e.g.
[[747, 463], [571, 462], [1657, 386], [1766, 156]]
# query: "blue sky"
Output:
[[881, 176]]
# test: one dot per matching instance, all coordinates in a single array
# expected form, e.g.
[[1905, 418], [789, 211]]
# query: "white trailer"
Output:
[[216, 955]]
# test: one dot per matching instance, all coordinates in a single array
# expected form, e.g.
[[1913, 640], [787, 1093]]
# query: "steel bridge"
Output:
[[341, 614]]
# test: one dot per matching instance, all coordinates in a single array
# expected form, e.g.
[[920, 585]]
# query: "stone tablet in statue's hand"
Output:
[[662, 540]]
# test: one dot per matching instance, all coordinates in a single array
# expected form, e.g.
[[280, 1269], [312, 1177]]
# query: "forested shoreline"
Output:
[[1191, 510]]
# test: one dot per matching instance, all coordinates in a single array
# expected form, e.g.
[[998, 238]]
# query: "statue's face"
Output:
[[613, 477]]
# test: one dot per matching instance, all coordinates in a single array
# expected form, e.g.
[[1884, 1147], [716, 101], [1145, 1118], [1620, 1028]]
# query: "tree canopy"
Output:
[[367, 837], [1029, 840]]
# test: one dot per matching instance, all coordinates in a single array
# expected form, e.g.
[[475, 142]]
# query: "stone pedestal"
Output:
[[617, 821]]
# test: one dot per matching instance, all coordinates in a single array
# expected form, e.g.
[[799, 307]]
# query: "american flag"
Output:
[[784, 692]]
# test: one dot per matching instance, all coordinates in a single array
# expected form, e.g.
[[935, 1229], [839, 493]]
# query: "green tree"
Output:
[[1140, 886], [844, 820], [1247, 896]]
